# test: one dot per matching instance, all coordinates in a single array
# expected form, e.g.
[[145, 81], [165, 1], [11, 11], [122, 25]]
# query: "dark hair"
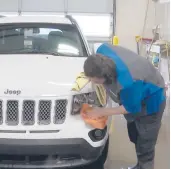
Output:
[[101, 67]]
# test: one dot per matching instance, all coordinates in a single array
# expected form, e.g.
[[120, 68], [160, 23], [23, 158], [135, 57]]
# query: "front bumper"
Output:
[[56, 153]]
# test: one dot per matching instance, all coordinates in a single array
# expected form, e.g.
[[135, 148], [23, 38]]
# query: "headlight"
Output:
[[78, 100]]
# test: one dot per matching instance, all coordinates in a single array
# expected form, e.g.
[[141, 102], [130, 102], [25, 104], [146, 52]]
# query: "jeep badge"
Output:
[[12, 92]]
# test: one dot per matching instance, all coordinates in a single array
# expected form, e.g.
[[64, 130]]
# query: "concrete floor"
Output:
[[122, 153]]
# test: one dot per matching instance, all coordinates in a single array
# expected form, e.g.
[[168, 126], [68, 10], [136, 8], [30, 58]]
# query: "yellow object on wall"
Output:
[[138, 38], [115, 41]]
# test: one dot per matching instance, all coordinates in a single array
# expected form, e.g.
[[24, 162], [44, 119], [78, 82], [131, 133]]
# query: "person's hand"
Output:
[[95, 112]]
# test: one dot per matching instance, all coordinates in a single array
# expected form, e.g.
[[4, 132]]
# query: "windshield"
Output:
[[56, 39]]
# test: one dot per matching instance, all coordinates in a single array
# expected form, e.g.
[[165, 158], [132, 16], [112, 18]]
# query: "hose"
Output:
[[148, 52]]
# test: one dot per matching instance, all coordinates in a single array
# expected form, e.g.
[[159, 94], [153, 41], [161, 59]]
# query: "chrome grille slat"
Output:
[[60, 111], [28, 112], [44, 114], [12, 112]]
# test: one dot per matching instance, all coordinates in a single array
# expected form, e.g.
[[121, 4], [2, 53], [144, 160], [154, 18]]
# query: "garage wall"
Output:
[[130, 19], [163, 18]]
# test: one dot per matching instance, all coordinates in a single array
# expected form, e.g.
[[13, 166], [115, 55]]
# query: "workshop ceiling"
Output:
[[59, 6]]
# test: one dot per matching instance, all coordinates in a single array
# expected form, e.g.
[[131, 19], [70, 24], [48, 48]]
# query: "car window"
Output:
[[59, 39]]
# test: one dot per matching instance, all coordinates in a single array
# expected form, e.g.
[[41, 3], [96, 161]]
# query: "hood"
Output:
[[38, 75]]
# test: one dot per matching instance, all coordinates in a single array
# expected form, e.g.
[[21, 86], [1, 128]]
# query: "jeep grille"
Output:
[[12, 112], [44, 112], [59, 115], [29, 112]]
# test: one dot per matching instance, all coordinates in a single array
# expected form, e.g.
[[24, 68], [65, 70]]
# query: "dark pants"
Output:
[[143, 132]]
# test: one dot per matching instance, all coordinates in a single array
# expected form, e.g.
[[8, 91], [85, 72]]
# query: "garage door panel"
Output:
[[43, 5], [90, 6], [9, 5], [62, 6]]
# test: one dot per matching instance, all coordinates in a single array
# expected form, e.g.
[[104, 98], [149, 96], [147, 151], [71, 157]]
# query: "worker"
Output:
[[138, 88]]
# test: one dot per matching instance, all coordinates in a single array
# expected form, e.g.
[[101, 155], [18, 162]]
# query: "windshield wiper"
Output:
[[29, 51], [36, 51], [43, 52], [14, 51], [54, 53]]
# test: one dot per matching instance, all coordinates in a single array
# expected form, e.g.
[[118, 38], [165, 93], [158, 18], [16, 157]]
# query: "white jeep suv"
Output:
[[40, 57]]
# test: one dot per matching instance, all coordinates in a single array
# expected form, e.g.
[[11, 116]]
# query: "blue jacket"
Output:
[[139, 83]]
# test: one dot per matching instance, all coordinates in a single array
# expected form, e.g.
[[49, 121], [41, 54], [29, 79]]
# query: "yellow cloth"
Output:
[[81, 81]]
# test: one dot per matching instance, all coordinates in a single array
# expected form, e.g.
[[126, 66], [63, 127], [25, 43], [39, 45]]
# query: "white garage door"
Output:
[[70, 6]]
